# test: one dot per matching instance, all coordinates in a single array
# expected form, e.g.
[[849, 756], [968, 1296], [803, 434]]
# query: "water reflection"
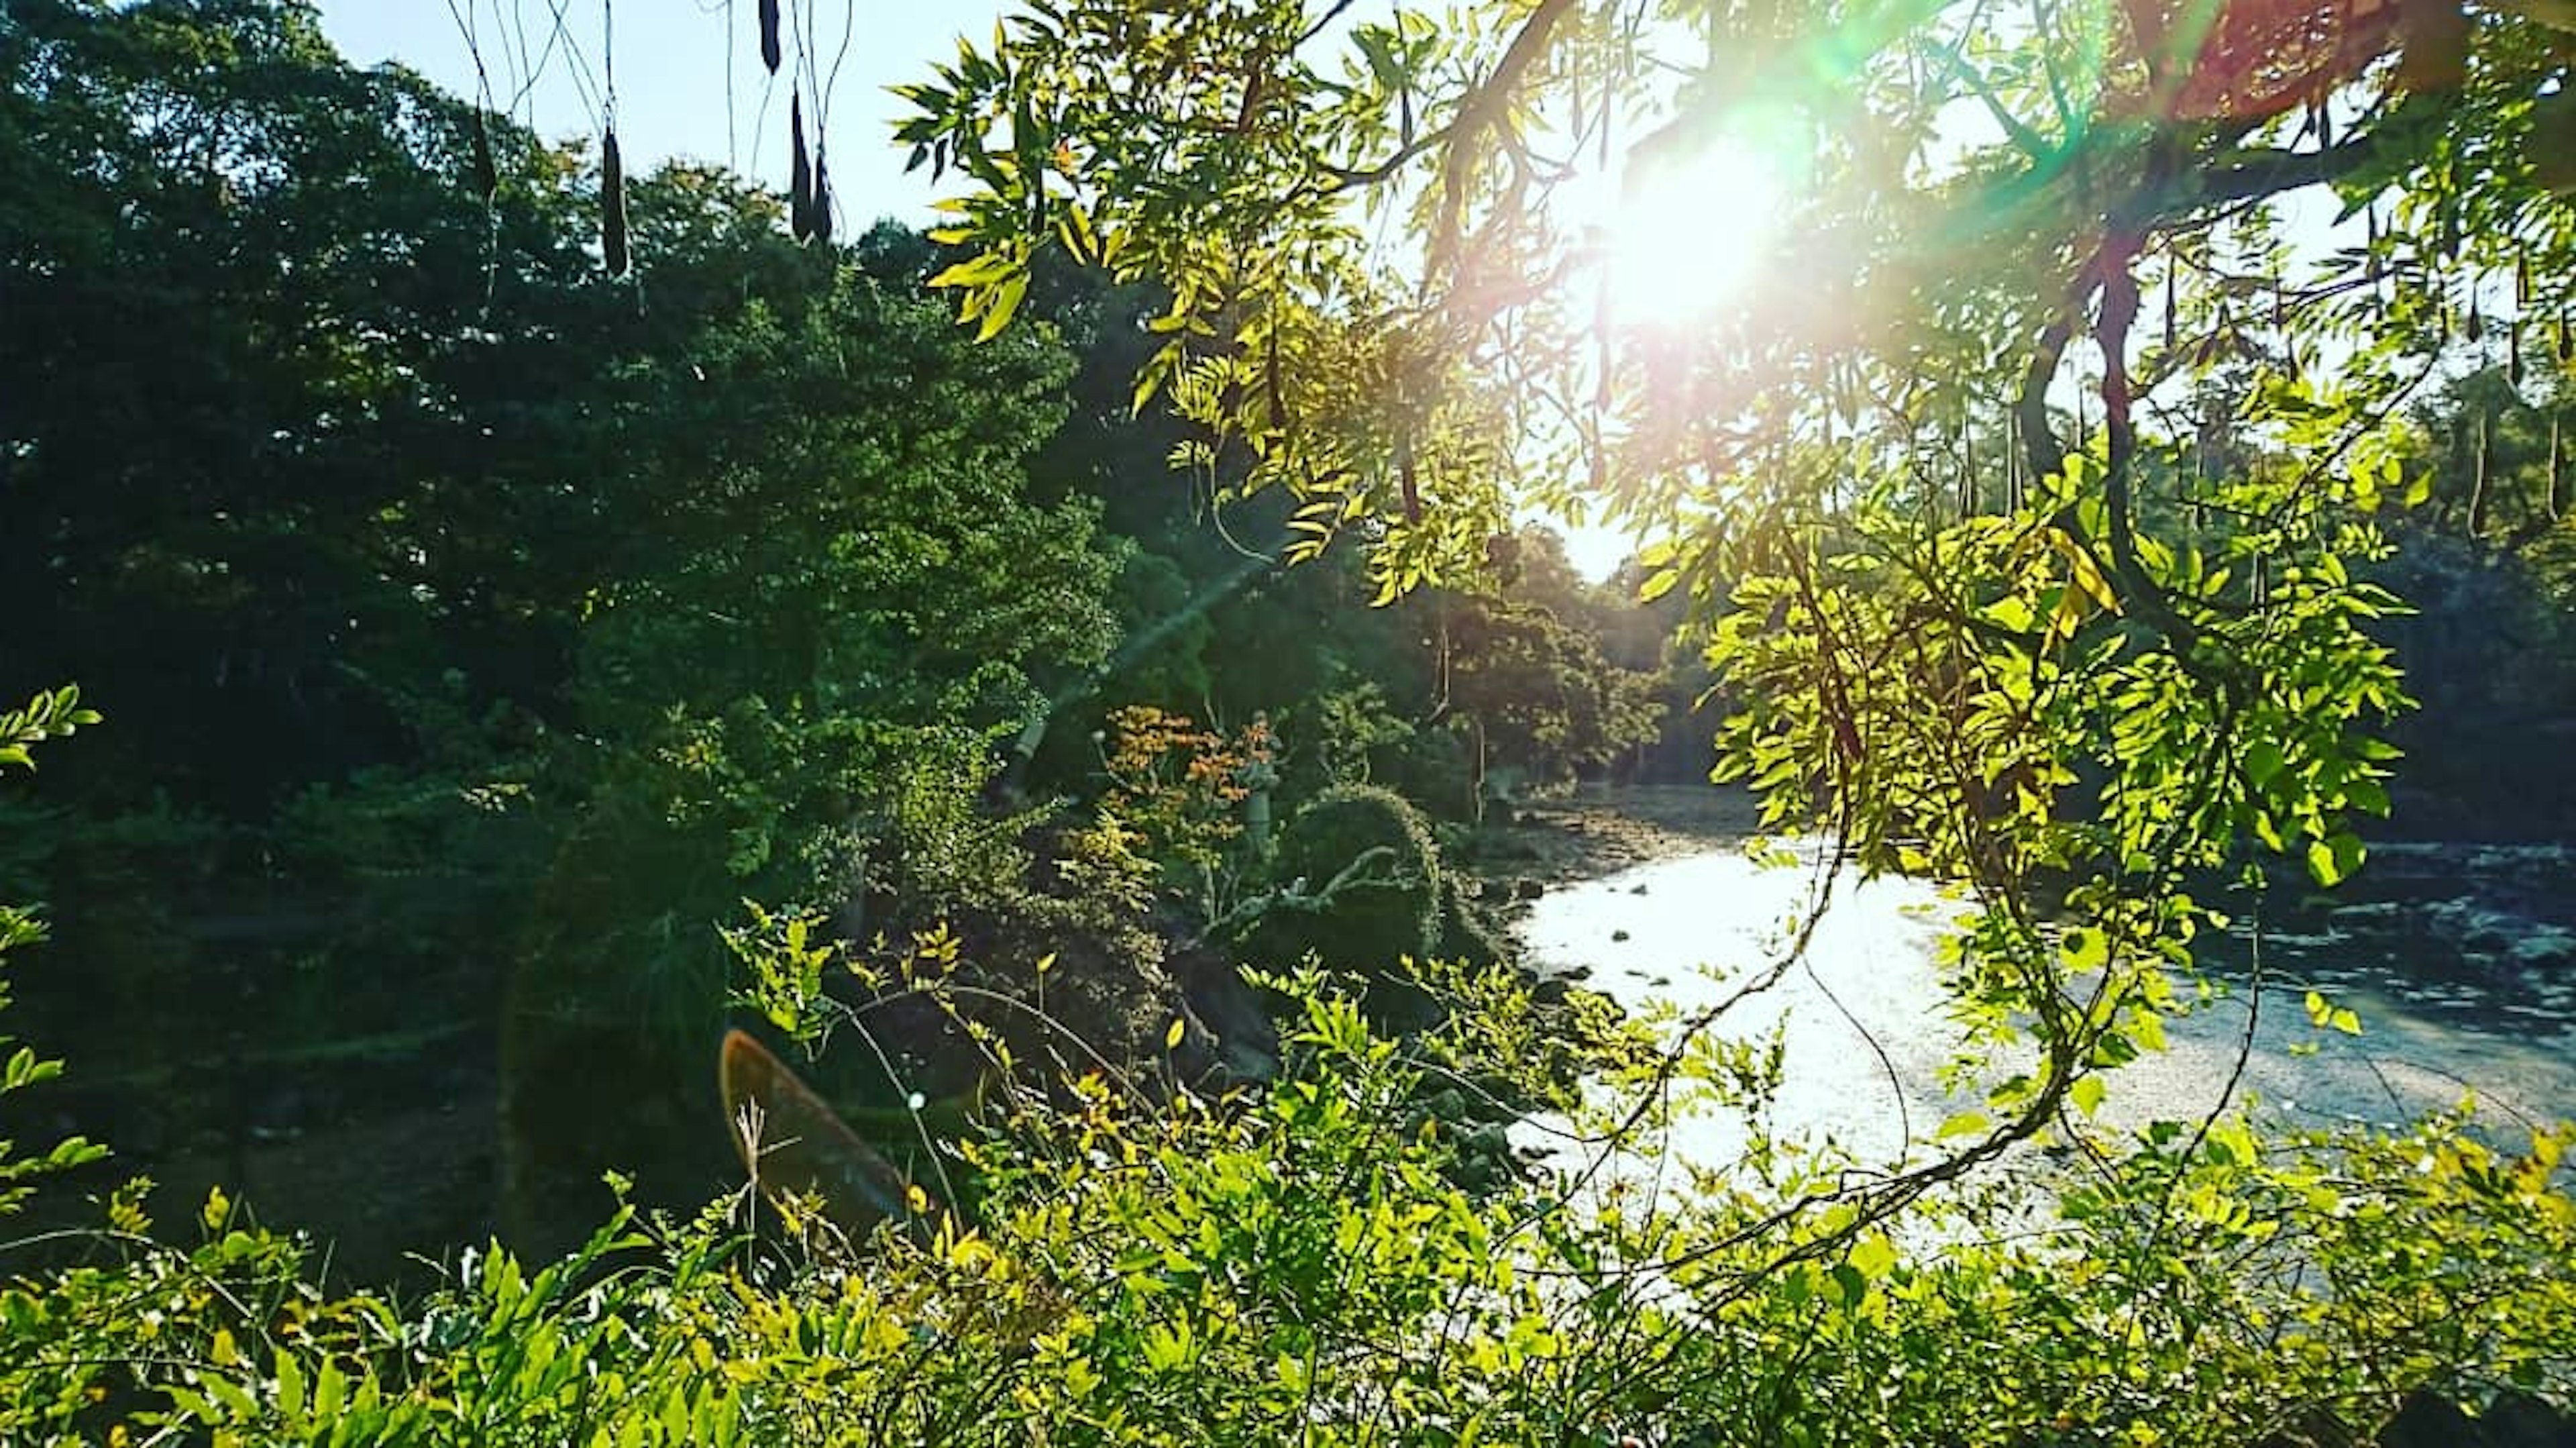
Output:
[[2461, 962]]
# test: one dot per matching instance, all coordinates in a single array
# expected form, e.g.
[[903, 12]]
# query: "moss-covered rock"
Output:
[[1468, 931], [1389, 907]]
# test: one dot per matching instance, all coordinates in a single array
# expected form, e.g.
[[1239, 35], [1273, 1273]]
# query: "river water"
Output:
[[2460, 961]]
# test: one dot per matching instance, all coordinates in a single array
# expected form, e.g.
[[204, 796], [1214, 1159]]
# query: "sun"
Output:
[[1686, 235]]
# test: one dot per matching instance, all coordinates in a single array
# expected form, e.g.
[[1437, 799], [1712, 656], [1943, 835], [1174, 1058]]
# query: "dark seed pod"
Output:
[[612, 204], [800, 174], [1270, 383], [2173, 284], [2476, 330], [2521, 280], [2566, 342], [822, 199], [2554, 509], [769, 52], [2513, 352], [487, 178]]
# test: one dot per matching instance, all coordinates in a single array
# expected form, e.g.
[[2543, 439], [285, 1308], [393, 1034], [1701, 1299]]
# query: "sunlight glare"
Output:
[[1684, 238]]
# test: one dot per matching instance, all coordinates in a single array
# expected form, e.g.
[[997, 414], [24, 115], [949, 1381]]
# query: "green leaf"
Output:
[[1873, 1255], [2268, 832], [976, 271], [2333, 859], [2263, 763], [2086, 1092], [2325, 1015], [1849, 1285], [1004, 304]]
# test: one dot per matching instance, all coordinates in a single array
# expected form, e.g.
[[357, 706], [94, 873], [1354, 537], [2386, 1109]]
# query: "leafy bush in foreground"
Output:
[[1298, 1266]]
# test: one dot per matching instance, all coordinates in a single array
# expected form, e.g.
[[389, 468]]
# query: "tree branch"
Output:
[[2046, 455], [2119, 310], [1484, 108]]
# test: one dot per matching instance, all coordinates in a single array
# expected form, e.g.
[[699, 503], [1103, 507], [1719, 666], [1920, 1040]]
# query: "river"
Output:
[[2459, 960]]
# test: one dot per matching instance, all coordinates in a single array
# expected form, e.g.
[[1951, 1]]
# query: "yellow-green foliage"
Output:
[[1296, 1266], [49, 715]]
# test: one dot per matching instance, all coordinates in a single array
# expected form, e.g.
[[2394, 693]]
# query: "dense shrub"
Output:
[[1360, 879]]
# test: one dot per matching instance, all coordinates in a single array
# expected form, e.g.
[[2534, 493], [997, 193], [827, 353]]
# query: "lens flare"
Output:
[[1687, 235]]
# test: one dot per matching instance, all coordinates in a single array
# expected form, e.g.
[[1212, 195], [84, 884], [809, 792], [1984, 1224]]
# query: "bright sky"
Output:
[[674, 61]]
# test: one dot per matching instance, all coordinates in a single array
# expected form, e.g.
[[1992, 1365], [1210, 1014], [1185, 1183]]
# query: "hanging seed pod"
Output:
[[2478, 459], [822, 199], [2554, 507], [2551, 502], [2371, 252], [2521, 281], [769, 51], [2173, 284], [2325, 125], [800, 174], [2513, 351], [487, 177], [1277, 395], [612, 204], [2476, 330], [2566, 342]]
